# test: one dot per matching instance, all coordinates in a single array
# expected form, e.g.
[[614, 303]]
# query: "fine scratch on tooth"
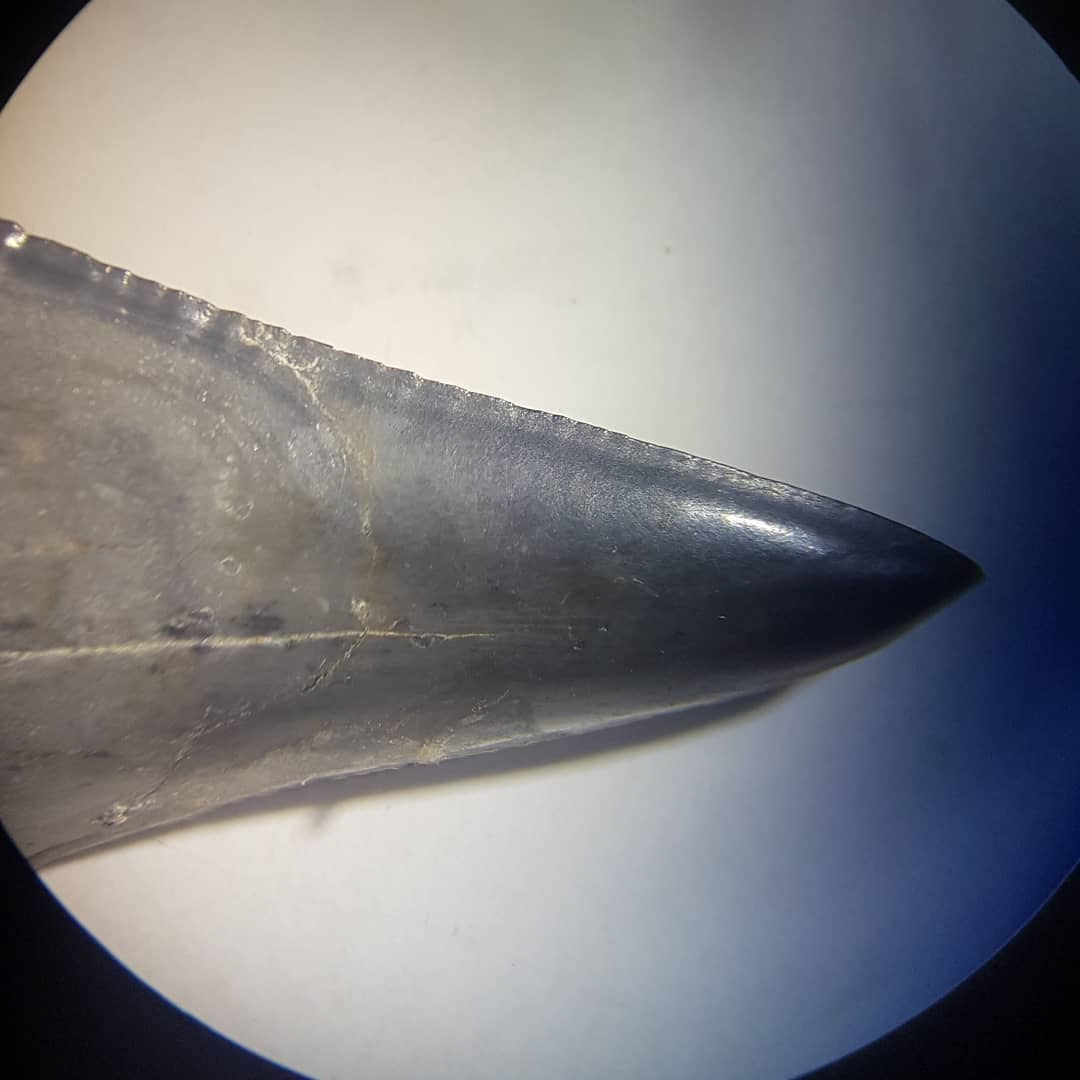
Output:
[[263, 338], [480, 710], [118, 813], [280, 641], [325, 673]]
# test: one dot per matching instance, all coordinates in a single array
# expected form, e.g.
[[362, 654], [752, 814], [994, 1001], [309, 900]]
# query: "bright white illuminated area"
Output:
[[825, 243], [772, 530]]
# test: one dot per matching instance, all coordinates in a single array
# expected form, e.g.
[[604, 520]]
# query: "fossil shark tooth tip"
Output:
[[233, 560]]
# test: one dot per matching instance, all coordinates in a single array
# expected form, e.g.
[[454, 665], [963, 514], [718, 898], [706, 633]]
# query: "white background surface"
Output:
[[798, 238]]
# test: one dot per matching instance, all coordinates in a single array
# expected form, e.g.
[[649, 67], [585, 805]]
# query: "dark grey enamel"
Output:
[[233, 560]]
